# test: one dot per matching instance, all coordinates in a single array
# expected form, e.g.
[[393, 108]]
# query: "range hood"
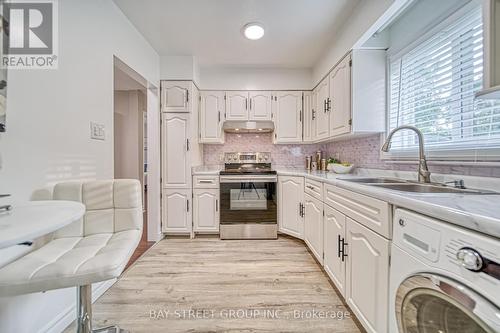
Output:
[[232, 126]]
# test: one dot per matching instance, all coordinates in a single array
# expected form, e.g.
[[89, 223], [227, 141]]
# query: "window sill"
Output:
[[435, 162]]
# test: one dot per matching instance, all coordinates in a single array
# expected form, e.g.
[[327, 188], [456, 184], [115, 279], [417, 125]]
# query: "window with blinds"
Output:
[[432, 87]]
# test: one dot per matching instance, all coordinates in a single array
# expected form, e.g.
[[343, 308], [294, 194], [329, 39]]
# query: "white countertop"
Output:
[[477, 212], [27, 221], [206, 170]]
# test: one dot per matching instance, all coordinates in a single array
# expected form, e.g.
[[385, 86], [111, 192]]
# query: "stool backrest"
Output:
[[111, 206]]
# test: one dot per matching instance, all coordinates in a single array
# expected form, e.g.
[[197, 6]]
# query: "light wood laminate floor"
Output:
[[209, 285]]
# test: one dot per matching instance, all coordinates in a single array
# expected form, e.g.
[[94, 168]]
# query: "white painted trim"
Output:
[[388, 17], [154, 158], [64, 319]]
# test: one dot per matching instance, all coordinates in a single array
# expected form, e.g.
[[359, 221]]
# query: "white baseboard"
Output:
[[64, 319]]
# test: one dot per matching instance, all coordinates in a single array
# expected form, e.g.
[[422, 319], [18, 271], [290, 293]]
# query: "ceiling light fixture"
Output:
[[253, 31]]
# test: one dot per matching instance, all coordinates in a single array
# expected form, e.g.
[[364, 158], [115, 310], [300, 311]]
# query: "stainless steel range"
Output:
[[248, 197]]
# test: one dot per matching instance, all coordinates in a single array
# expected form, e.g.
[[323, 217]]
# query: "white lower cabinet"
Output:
[[355, 257], [176, 211], [334, 259], [313, 226], [206, 210], [290, 201], [367, 277]]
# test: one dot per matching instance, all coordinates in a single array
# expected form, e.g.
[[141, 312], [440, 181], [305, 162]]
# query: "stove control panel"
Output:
[[242, 158]]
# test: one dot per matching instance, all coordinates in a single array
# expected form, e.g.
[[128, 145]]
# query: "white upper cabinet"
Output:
[[290, 205], [313, 226], [259, 105], [176, 96], [339, 104], [237, 105], [176, 165], [212, 109], [334, 262], [308, 122], [321, 113], [287, 115], [351, 99]]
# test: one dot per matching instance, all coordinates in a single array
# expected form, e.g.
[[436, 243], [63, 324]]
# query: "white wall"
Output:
[[360, 20], [48, 135], [128, 134], [236, 78], [179, 68]]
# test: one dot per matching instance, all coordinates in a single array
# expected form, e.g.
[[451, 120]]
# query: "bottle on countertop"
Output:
[[323, 164], [318, 157], [308, 162]]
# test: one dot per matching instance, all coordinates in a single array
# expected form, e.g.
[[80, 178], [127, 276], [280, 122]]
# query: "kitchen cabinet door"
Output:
[[367, 276], [206, 210], [176, 211], [313, 226], [340, 98], [290, 201], [212, 108], [175, 96], [287, 110], [309, 122], [176, 167], [334, 232], [322, 115], [259, 105], [236, 105]]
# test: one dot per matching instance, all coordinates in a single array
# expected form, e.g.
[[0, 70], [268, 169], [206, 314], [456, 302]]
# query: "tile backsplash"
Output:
[[289, 154], [363, 152]]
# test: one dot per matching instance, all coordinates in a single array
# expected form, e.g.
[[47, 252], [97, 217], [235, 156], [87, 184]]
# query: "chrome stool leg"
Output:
[[84, 313]]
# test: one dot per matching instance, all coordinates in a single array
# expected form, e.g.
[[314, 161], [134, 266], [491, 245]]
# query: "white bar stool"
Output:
[[95, 248]]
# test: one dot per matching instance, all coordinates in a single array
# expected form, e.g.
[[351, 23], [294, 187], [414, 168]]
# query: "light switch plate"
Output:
[[97, 131]]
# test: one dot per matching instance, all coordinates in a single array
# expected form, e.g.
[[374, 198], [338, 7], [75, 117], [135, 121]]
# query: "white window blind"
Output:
[[432, 87]]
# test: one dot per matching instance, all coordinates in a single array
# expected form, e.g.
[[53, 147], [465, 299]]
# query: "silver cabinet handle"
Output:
[[205, 181], [246, 103], [216, 205], [187, 144], [310, 187], [313, 114], [187, 96], [5, 208]]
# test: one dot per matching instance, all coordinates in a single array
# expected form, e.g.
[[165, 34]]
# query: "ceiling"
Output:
[[297, 31]]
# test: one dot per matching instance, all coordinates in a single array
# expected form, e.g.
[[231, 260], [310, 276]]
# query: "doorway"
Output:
[[130, 134]]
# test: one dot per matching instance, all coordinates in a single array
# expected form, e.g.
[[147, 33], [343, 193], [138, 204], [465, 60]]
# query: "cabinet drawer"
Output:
[[370, 212], [314, 188], [205, 181]]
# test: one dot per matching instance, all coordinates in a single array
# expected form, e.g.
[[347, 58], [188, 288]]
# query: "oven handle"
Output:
[[248, 179]]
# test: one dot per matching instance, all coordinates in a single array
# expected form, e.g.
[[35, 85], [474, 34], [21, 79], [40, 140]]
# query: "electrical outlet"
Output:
[[97, 131]]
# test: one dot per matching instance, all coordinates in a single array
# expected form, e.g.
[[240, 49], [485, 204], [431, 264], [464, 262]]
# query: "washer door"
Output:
[[427, 303]]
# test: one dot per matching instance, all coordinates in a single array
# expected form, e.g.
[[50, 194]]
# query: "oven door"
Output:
[[428, 303], [248, 207]]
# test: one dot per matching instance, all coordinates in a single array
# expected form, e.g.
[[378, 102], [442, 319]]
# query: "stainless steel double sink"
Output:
[[414, 187]]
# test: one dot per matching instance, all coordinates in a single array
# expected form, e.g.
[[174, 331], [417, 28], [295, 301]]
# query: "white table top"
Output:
[[27, 221]]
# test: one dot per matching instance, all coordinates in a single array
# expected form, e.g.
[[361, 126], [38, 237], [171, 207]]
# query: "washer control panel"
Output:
[[448, 247]]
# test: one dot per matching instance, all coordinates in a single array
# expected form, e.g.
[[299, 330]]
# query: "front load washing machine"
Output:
[[443, 278]]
